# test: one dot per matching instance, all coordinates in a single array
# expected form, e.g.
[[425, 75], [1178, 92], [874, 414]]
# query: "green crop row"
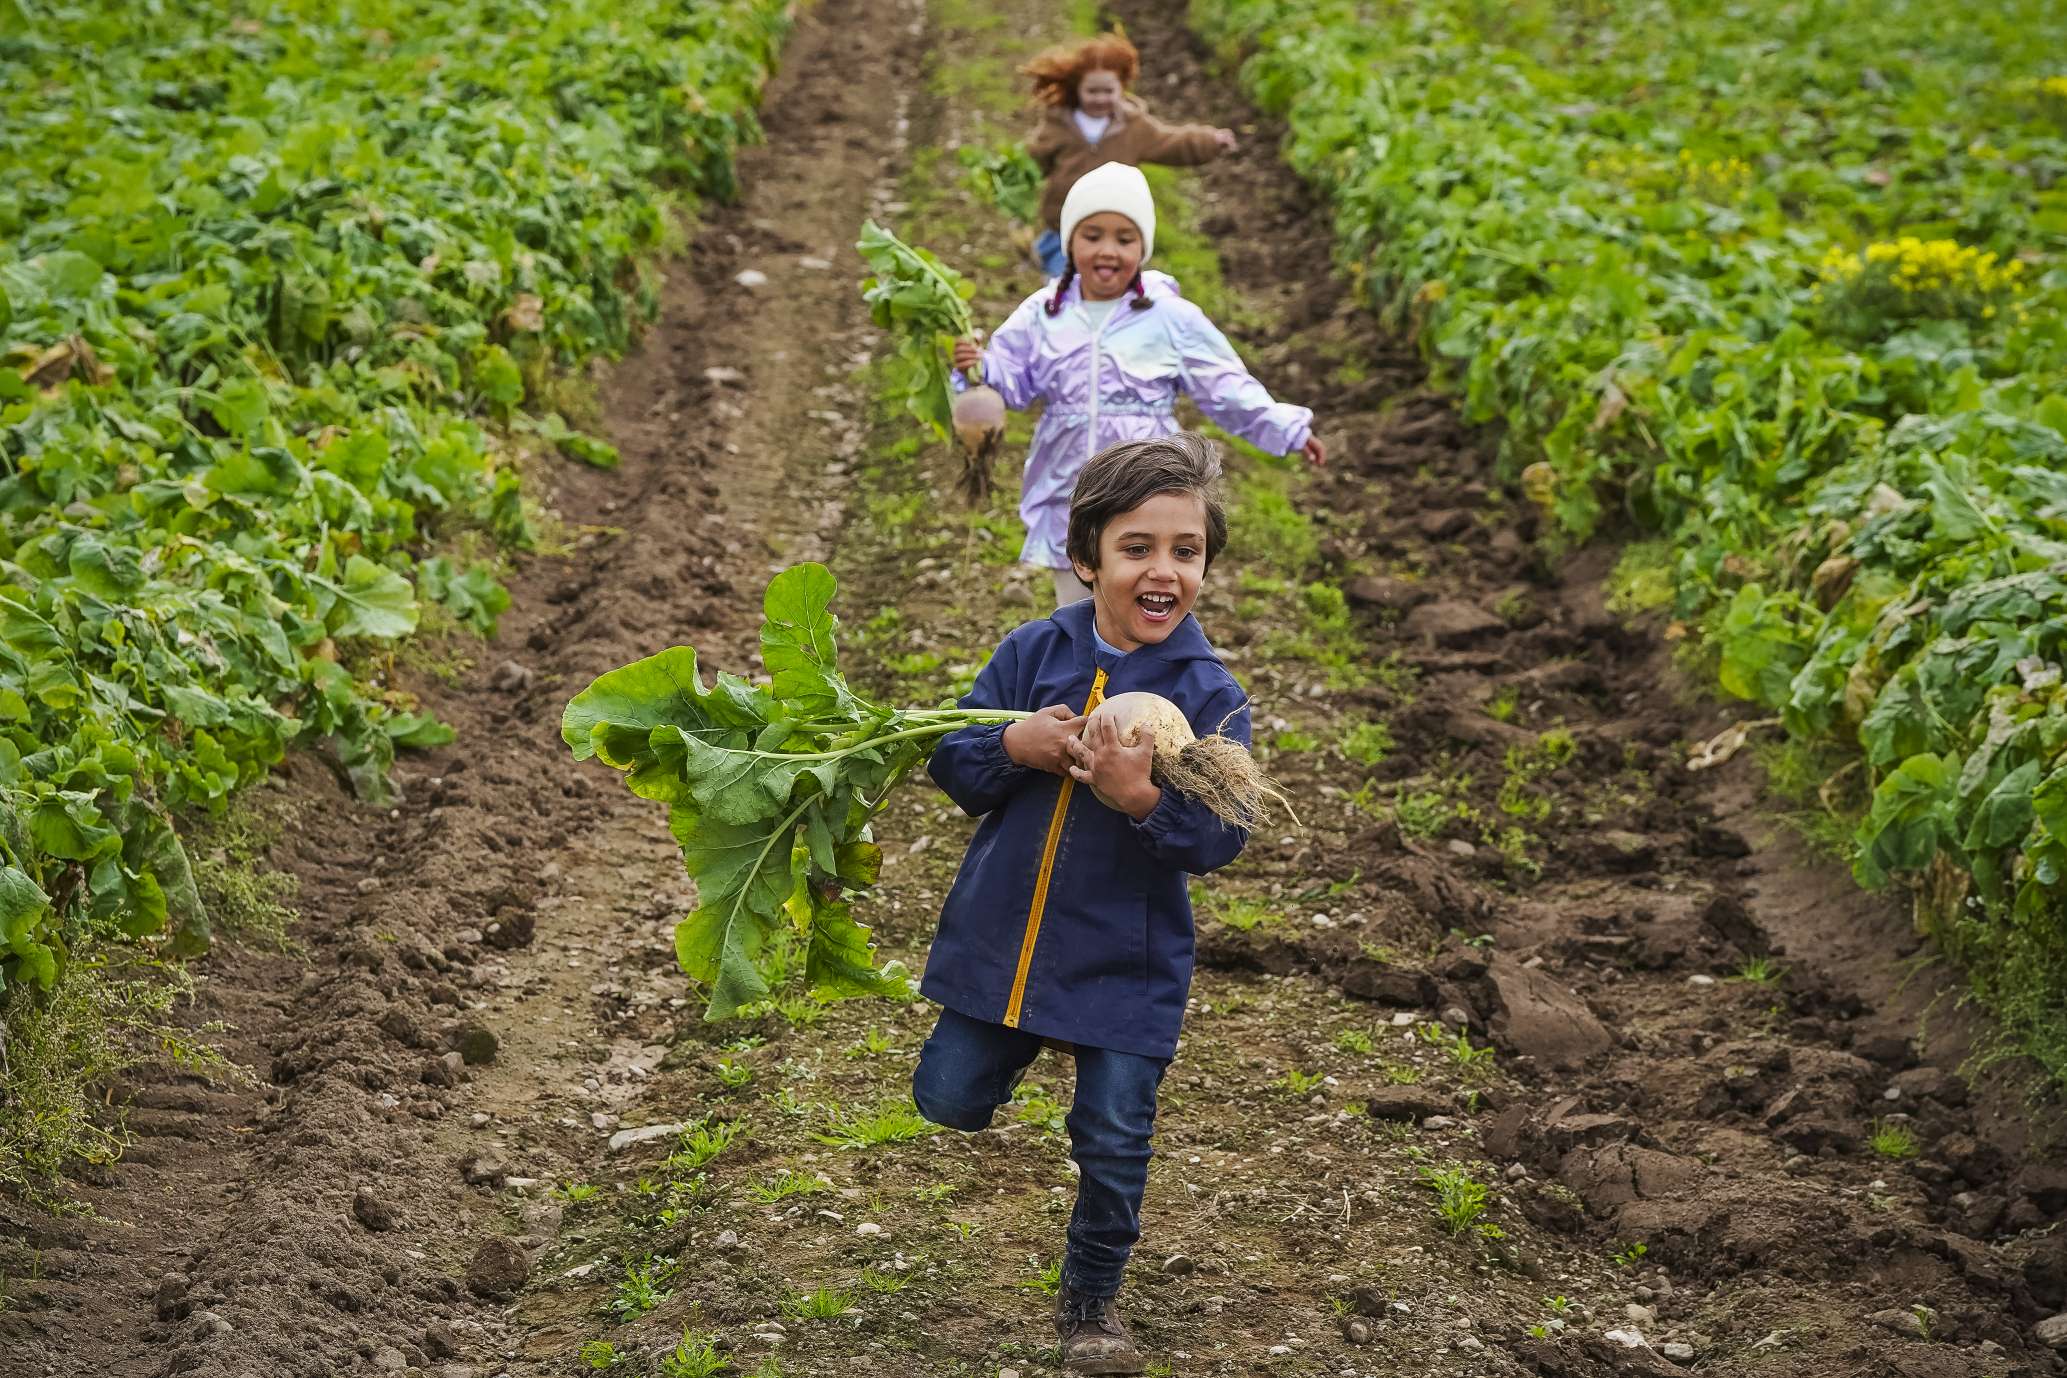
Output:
[[282, 286], [1785, 284]]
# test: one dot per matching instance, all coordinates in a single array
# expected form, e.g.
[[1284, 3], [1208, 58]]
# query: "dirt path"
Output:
[[1502, 948]]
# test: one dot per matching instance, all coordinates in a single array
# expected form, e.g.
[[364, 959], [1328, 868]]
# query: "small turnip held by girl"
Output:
[[919, 299], [1108, 347]]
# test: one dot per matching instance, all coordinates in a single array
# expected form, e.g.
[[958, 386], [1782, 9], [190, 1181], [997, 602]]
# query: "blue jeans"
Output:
[[968, 1069], [1048, 249]]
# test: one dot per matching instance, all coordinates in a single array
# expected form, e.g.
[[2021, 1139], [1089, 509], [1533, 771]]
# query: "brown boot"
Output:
[[1094, 1338]]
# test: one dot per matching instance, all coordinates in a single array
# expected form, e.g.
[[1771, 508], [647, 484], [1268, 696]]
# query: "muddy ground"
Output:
[[1714, 1094]]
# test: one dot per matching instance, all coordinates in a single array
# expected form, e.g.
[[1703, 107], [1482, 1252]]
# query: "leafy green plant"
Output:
[[1237, 911], [574, 1193], [1367, 743], [1422, 813], [894, 1122], [694, 1356], [1473, 1061], [924, 305], [1297, 1083], [643, 1287], [1893, 1141], [770, 789], [261, 384], [732, 1075], [1629, 1255], [600, 1354], [1047, 1278], [1526, 767], [790, 1183], [1031, 1104], [1356, 1041], [1461, 1201], [1758, 971], [1008, 176], [874, 1043], [884, 1283], [702, 1142], [819, 1304]]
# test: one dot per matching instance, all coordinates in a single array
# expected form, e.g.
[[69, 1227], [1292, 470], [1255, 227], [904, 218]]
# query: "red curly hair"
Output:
[[1057, 71]]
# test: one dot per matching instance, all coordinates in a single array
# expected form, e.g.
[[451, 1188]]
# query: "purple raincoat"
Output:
[[1141, 361]]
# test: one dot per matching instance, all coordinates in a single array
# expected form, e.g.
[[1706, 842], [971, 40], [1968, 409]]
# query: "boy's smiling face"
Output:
[[1151, 561]]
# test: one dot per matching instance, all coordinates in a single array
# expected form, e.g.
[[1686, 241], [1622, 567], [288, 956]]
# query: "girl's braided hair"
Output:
[[1057, 71], [1139, 288]]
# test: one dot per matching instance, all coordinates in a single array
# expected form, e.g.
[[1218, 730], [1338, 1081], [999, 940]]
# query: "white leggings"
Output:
[[1068, 588]]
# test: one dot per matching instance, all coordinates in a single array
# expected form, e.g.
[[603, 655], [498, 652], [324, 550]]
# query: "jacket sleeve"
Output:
[[1008, 358], [1215, 377], [1179, 145], [1184, 834], [971, 765]]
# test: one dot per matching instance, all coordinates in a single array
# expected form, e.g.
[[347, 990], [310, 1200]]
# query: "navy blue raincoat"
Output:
[[1069, 919]]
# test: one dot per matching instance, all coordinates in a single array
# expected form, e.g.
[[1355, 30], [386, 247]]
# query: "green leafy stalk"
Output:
[[924, 304], [770, 791], [1007, 174]]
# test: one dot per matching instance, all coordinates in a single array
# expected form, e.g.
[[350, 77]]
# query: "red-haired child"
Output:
[[1090, 119]]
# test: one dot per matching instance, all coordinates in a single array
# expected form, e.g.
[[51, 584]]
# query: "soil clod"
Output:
[[500, 1266]]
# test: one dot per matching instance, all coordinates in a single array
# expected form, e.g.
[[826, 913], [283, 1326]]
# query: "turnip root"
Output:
[[979, 424], [1216, 771]]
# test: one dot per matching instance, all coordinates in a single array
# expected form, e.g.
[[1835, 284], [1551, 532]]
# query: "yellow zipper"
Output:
[[1040, 895]]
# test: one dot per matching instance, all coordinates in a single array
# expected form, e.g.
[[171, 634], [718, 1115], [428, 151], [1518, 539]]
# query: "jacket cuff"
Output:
[[1168, 814], [992, 753], [1299, 432]]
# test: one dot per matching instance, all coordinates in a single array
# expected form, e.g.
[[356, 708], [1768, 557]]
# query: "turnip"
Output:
[[1216, 771], [924, 304], [979, 424]]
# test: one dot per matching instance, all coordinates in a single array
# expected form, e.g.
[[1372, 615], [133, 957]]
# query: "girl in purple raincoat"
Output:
[[1108, 346]]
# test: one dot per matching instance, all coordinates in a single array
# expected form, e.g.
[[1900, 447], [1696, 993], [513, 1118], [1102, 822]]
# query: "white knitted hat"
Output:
[[1112, 187]]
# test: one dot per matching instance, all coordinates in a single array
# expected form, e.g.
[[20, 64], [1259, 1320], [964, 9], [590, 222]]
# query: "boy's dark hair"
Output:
[[1122, 477]]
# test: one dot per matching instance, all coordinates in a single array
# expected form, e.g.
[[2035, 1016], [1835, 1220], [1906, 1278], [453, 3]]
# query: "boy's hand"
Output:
[[1116, 774], [968, 354], [1315, 452], [1042, 741], [1224, 138]]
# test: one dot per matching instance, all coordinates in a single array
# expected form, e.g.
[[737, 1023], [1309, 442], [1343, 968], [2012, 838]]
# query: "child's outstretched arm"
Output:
[[1180, 145], [1007, 359], [1231, 397]]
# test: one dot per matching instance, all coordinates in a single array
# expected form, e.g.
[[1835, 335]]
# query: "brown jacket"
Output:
[[1133, 137]]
